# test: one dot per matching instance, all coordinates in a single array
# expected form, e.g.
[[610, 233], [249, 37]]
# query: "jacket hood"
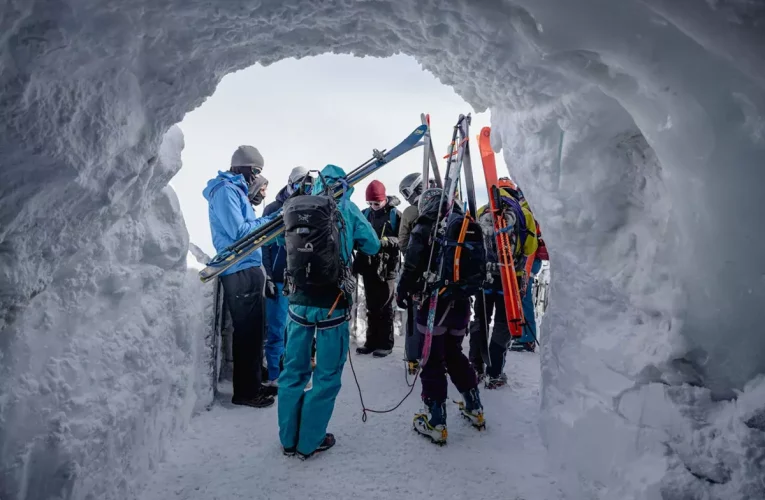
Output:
[[333, 173], [235, 179], [393, 201]]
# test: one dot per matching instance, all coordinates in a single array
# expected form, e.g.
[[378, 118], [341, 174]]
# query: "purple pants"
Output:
[[446, 357]]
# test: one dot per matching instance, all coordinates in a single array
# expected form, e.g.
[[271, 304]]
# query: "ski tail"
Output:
[[433, 160]]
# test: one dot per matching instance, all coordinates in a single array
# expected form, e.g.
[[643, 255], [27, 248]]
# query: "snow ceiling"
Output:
[[654, 342]]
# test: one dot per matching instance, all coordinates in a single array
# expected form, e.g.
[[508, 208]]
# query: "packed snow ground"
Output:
[[232, 453]]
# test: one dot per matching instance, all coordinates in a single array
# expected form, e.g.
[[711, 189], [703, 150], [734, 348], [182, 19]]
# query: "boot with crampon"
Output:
[[431, 421]]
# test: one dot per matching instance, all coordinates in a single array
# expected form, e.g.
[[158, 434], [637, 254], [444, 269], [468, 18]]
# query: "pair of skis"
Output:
[[510, 289], [266, 233], [450, 184]]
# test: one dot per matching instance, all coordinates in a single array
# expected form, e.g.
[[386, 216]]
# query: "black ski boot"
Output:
[[261, 400], [329, 442]]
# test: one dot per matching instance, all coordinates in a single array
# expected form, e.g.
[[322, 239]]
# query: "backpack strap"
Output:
[[394, 220]]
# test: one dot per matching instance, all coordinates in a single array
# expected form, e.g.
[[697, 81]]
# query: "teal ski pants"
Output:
[[304, 415]]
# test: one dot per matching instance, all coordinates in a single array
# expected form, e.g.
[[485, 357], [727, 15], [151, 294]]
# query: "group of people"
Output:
[[303, 332]]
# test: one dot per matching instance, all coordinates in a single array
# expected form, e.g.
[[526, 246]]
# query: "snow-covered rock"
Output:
[[651, 213]]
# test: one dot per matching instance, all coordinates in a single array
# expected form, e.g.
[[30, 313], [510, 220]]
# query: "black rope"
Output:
[[364, 409], [406, 376]]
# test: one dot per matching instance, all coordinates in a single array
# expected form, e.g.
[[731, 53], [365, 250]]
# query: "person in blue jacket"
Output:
[[304, 415], [274, 262], [230, 196]]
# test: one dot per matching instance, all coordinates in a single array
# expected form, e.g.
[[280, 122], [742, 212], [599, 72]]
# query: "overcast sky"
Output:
[[314, 111]]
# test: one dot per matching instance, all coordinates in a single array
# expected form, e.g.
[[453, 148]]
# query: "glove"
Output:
[[388, 244], [271, 291]]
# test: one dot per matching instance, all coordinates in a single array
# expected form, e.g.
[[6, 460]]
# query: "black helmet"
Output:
[[411, 187]]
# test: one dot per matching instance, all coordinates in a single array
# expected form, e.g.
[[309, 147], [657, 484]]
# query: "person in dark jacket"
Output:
[[274, 262], [452, 317], [410, 188], [380, 271], [230, 197]]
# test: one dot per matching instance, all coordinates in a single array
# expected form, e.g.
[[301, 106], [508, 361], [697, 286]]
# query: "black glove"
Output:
[[403, 299], [271, 291]]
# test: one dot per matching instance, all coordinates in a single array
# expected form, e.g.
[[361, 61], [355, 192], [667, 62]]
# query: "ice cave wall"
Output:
[[107, 357], [651, 211]]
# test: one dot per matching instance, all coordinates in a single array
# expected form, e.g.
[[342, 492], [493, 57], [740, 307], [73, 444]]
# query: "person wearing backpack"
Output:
[[524, 244], [275, 263], [452, 316], [380, 271], [410, 188], [319, 238], [231, 196]]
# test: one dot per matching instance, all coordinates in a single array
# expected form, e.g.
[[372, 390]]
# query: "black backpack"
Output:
[[472, 259], [312, 241]]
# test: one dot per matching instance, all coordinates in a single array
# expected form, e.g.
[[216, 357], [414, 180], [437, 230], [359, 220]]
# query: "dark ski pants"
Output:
[[244, 297], [500, 336], [380, 313], [446, 357], [414, 338]]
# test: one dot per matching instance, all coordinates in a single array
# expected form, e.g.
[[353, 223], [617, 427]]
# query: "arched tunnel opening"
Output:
[[652, 367]]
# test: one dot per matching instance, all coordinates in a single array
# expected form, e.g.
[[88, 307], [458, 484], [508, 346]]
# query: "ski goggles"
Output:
[[376, 204]]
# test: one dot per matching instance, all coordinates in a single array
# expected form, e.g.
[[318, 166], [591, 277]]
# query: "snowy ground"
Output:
[[233, 452]]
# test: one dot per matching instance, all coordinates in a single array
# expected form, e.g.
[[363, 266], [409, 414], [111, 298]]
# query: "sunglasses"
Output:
[[375, 204]]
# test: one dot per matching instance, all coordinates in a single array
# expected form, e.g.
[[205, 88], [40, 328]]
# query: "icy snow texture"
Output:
[[107, 358], [652, 213]]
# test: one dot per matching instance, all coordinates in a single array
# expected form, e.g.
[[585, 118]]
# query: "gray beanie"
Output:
[[247, 156], [297, 174]]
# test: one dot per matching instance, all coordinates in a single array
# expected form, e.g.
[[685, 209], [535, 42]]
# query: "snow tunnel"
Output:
[[654, 355]]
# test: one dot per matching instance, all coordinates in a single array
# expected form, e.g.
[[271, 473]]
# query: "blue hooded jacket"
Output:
[[231, 216], [359, 234]]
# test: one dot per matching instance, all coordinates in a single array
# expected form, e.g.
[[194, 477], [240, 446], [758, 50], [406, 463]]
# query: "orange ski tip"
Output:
[[486, 131]]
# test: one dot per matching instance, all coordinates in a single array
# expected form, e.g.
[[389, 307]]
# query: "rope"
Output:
[[364, 409]]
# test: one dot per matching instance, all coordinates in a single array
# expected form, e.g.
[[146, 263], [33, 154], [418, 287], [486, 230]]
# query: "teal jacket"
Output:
[[359, 235]]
